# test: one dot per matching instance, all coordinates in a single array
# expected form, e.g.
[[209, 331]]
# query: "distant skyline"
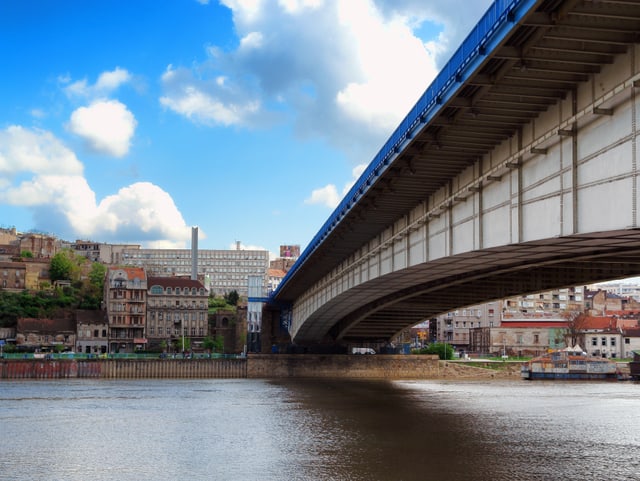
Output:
[[132, 121]]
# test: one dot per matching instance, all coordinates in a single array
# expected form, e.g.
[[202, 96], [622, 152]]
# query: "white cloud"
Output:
[[208, 103], [40, 173], [145, 209], [38, 151], [106, 84], [328, 195], [107, 126]]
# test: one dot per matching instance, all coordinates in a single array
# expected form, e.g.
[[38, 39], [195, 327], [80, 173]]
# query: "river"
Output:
[[319, 430]]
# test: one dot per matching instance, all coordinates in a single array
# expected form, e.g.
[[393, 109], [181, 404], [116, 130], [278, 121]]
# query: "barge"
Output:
[[569, 364], [634, 366]]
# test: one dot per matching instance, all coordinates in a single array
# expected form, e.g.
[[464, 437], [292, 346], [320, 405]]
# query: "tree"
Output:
[[214, 345], [232, 298], [65, 265], [443, 350], [26, 254], [576, 324], [97, 275]]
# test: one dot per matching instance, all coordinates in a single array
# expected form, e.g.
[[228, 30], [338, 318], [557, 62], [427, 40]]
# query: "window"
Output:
[[594, 341], [536, 339], [613, 342], [627, 340], [603, 341]]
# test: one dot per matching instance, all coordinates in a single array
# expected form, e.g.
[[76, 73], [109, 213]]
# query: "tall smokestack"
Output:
[[194, 253]]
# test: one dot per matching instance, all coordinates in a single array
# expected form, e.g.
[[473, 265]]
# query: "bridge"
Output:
[[515, 172]]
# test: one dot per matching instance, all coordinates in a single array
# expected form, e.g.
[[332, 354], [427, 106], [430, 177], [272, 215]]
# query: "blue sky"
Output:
[[131, 121]]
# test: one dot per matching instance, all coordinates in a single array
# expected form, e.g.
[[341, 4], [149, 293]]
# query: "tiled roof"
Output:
[[593, 322], [181, 282], [132, 272], [50, 326]]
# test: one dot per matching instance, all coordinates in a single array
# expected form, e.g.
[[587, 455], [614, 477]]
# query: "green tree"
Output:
[[443, 350], [232, 298], [26, 254], [97, 275], [182, 343], [64, 266], [213, 344]]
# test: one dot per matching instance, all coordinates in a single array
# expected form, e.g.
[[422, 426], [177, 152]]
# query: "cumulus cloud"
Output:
[[107, 126], [346, 72], [40, 173], [37, 151], [329, 196]]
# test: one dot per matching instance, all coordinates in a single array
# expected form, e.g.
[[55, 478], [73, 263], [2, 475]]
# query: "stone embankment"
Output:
[[485, 370]]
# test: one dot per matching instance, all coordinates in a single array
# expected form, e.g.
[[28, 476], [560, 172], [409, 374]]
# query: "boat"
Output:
[[569, 363], [634, 366]]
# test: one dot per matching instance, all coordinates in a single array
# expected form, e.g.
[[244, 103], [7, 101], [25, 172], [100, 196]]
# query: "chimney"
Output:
[[194, 253]]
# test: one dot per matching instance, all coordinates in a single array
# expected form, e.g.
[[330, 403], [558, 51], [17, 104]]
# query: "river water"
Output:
[[319, 430]]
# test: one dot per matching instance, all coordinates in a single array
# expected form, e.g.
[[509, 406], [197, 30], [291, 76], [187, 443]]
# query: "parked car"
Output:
[[363, 350]]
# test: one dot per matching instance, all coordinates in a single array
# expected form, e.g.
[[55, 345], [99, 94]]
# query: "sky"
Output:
[[132, 121]]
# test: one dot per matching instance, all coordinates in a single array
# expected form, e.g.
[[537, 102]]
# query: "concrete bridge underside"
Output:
[[522, 177]]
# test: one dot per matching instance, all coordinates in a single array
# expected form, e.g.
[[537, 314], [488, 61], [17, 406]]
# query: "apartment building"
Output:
[[125, 299], [220, 271], [177, 308]]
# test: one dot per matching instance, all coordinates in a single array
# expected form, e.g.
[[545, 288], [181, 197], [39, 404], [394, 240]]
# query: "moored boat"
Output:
[[569, 364], [634, 367]]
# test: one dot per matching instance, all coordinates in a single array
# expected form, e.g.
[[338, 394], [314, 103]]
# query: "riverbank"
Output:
[[479, 370]]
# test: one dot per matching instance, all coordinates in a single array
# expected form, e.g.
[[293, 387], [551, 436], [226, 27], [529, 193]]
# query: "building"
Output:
[[92, 332], [455, 327], [13, 276], [274, 278], [220, 271], [40, 245], [232, 328], [549, 303], [177, 307], [110, 254], [125, 299], [46, 334]]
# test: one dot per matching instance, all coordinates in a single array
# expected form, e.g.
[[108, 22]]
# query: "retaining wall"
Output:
[[256, 366]]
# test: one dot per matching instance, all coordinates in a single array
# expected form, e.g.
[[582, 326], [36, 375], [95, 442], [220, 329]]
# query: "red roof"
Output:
[[534, 324], [174, 282], [593, 322]]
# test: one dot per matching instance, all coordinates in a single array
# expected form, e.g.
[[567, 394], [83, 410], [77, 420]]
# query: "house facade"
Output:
[[92, 332], [177, 307], [125, 299]]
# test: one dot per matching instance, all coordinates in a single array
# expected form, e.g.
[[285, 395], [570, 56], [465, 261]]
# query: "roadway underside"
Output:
[[376, 310]]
